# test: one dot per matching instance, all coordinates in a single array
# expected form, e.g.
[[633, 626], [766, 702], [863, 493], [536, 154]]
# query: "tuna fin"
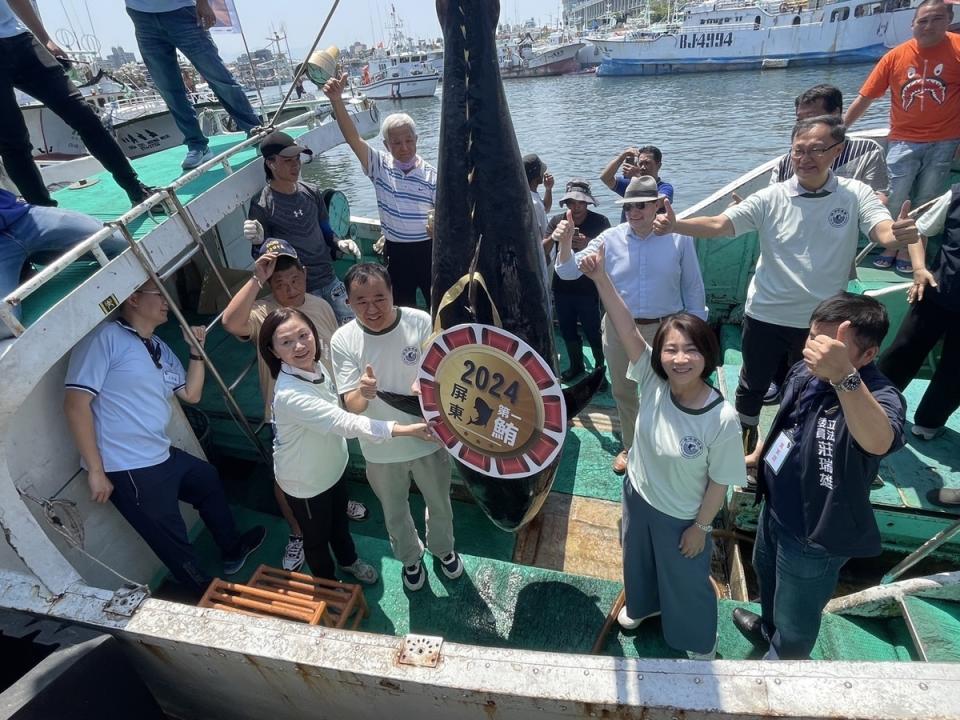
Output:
[[410, 404], [578, 396]]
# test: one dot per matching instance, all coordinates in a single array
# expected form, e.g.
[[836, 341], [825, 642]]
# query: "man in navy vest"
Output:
[[839, 418]]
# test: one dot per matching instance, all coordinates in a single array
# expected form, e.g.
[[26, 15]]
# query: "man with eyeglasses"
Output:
[[808, 229], [119, 384], [655, 274], [923, 76], [292, 210]]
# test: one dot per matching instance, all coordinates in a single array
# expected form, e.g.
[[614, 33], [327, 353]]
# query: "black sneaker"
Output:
[[452, 565], [414, 576], [357, 511], [141, 193], [249, 541], [773, 395]]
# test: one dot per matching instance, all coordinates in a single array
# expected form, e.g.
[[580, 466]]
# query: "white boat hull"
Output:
[[148, 132], [417, 86], [744, 38]]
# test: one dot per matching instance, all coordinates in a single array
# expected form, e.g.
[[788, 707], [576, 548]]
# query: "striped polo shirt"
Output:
[[403, 200]]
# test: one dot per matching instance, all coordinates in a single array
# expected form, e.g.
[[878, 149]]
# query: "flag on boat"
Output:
[[227, 19]]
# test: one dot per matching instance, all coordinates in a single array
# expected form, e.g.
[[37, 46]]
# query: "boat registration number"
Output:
[[706, 40]]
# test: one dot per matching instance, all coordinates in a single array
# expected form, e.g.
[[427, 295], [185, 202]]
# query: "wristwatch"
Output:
[[704, 528], [850, 382]]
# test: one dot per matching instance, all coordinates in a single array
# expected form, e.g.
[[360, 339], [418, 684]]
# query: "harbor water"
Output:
[[711, 127]]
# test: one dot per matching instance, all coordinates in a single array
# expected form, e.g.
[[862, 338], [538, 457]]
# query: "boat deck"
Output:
[[550, 586]]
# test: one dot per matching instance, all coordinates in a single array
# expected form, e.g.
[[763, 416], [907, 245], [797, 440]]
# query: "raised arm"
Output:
[[867, 421], [193, 389], [236, 316], [592, 265], [707, 226], [609, 174], [333, 89]]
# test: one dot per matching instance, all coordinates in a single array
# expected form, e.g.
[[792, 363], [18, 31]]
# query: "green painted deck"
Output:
[[499, 602]]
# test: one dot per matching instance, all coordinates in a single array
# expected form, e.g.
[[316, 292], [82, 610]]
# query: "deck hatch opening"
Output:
[[420, 650]]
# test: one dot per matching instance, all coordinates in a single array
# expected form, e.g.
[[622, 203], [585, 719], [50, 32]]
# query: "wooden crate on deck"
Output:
[[345, 605], [236, 597]]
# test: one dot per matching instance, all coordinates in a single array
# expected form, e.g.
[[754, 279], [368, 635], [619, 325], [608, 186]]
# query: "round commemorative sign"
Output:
[[496, 404]]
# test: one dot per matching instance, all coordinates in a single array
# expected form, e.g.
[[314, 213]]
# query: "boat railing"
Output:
[[92, 243], [175, 209]]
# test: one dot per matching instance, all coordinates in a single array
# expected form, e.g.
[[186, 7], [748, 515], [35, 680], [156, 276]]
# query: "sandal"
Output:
[[884, 262], [903, 267]]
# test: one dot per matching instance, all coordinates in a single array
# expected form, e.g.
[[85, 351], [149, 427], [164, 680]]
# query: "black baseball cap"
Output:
[[279, 143]]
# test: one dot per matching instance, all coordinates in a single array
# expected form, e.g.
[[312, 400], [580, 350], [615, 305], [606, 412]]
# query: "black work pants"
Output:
[[26, 65], [410, 266], [924, 325], [324, 523], [584, 307], [764, 346]]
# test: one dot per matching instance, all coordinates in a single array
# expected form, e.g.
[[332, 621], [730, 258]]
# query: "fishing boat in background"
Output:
[[523, 58], [401, 69], [522, 633], [744, 34]]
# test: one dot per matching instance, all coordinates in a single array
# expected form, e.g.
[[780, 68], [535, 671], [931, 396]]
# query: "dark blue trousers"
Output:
[[148, 498]]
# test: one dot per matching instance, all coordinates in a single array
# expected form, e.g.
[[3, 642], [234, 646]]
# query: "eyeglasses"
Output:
[[150, 292], [812, 152]]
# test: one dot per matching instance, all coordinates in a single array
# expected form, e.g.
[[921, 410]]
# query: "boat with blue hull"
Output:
[[750, 34]]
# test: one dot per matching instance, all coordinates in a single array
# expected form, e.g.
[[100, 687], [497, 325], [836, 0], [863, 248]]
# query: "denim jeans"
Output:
[[918, 171], [796, 580], [25, 64], [44, 230], [159, 36], [336, 294]]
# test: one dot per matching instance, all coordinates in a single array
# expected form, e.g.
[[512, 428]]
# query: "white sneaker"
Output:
[[362, 571], [293, 554], [925, 433], [195, 158], [628, 623], [357, 511]]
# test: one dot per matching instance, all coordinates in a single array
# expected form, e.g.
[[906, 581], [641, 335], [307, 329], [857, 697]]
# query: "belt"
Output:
[[647, 321]]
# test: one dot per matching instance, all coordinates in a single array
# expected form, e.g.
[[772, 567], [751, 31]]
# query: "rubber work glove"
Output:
[[349, 247], [253, 232]]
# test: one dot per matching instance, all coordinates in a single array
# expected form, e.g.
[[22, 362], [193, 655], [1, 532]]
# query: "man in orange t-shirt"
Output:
[[923, 76]]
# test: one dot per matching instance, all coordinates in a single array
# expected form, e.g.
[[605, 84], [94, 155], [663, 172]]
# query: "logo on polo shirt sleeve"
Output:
[[838, 217]]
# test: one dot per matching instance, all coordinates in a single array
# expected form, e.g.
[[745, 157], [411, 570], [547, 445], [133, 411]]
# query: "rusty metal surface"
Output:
[[420, 650], [206, 663]]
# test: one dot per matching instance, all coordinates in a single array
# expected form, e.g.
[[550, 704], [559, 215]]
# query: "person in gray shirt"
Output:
[[292, 210]]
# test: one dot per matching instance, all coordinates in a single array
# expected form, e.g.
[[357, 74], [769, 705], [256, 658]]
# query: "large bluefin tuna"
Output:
[[484, 222]]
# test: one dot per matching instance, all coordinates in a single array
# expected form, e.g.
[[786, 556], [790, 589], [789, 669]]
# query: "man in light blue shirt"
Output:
[[162, 28], [30, 61], [656, 275], [119, 384]]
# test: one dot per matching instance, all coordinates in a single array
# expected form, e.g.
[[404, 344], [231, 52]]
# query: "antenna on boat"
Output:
[[303, 66]]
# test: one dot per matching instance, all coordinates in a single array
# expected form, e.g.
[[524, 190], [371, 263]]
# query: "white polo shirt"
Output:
[[403, 199], [808, 241], [310, 431], [677, 450], [395, 355], [131, 395]]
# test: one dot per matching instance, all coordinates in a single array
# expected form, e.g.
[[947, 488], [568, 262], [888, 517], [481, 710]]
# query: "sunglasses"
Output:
[[638, 205]]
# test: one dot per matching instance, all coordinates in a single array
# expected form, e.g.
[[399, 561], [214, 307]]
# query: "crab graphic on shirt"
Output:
[[917, 86]]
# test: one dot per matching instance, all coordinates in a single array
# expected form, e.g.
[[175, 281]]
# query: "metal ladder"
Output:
[[177, 211]]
